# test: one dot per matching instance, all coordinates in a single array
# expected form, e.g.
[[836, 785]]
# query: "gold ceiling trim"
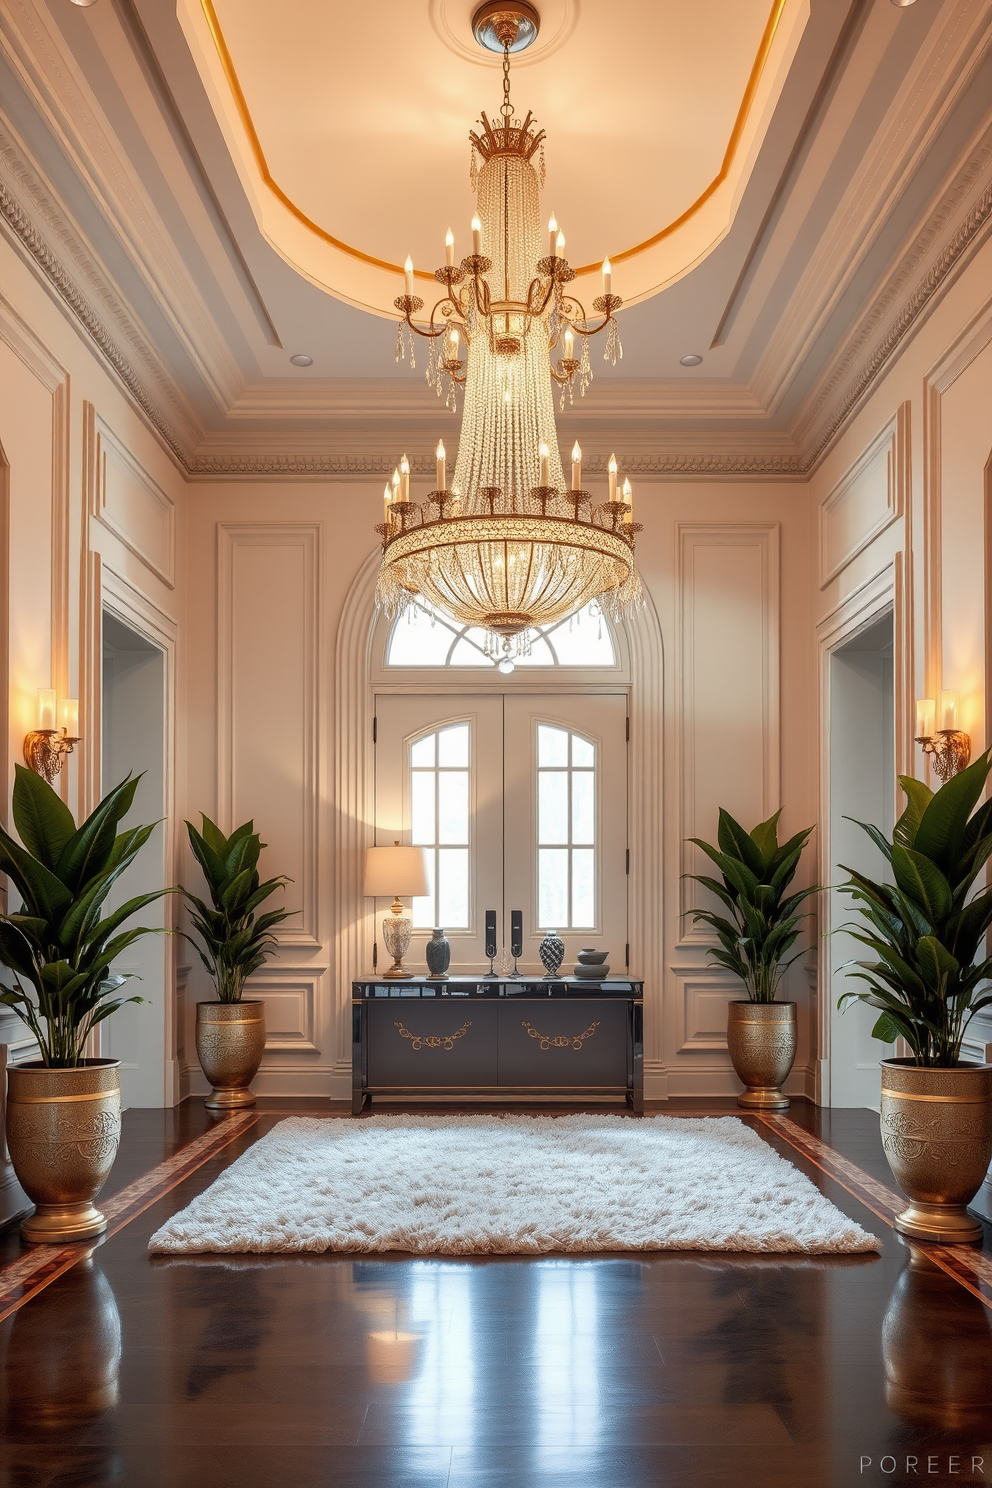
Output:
[[740, 123]]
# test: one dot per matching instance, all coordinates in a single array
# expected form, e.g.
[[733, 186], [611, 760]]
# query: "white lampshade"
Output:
[[395, 872]]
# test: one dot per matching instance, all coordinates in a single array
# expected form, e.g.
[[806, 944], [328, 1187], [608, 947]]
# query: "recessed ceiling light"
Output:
[[903, 2], [84, 2], [691, 359], [301, 360]]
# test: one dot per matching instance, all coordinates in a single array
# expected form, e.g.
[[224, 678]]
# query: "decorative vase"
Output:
[[552, 954], [63, 1130], [591, 966], [937, 1136], [438, 955], [230, 1042], [761, 1038], [937, 1348]]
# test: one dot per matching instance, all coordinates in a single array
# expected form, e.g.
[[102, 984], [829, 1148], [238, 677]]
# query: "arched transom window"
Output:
[[420, 639]]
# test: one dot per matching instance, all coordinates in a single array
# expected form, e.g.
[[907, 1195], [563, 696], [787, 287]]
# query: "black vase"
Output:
[[438, 954]]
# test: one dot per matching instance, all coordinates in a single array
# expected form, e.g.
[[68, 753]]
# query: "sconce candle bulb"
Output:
[[46, 747], [948, 747]]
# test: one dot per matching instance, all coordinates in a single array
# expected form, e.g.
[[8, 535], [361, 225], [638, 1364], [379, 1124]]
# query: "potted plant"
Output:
[[763, 925], [64, 1110], [926, 931], [233, 943]]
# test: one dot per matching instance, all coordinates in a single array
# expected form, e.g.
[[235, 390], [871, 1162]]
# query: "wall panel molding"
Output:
[[867, 499], [268, 683], [125, 499], [728, 614]]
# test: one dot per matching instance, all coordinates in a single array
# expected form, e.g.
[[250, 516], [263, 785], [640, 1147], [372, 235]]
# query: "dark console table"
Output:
[[479, 1036]]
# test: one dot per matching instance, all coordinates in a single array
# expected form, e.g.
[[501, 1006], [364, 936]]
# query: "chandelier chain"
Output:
[[507, 108]]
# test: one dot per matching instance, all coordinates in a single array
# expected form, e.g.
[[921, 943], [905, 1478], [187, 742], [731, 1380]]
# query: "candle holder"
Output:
[[949, 750], [46, 749]]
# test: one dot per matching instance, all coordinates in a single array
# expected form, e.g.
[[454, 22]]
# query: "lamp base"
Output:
[[396, 932]]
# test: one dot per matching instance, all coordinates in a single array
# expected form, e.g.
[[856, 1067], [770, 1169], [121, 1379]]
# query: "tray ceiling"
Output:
[[349, 126]]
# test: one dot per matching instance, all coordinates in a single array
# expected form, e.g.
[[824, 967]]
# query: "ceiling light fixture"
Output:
[[903, 2], [507, 547], [301, 360], [691, 359]]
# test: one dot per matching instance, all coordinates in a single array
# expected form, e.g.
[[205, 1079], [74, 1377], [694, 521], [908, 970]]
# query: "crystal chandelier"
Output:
[[507, 546]]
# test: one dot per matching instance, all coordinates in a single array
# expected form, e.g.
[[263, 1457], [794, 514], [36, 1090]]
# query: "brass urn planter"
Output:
[[230, 1042], [761, 1038], [63, 1130], [937, 1136]]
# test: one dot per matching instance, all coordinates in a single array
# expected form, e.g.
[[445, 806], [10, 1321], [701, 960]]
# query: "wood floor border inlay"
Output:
[[969, 1265], [39, 1266]]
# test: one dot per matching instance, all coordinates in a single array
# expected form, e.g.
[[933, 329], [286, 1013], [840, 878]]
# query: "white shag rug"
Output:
[[511, 1185]]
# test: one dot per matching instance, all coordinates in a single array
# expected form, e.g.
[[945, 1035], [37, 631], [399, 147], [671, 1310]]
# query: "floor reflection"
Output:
[[62, 1357], [937, 1348]]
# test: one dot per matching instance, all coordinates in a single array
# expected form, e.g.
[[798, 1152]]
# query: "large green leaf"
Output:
[[765, 837], [43, 893], [88, 851], [941, 832], [44, 822], [921, 880], [737, 843], [918, 797]]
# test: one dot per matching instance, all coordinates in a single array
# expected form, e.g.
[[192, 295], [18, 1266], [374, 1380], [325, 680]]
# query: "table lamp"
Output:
[[394, 871]]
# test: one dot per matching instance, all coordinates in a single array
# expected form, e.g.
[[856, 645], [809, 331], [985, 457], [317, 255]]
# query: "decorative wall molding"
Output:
[[252, 734], [728, 587], [290, 996], [962, 219], [131, 505], [55, 274], [701, 1008], [22, 341], [94, 278], [867, 499]]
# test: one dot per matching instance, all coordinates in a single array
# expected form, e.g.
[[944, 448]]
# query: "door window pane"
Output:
[[439, 819], [566, 830], [552, 746]]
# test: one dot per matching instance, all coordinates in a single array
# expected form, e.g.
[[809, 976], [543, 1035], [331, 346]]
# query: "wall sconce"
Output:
[[47, 746], [948, 747]]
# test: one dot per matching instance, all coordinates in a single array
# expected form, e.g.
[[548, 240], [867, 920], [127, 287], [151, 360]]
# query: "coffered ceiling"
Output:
[[128, 181]]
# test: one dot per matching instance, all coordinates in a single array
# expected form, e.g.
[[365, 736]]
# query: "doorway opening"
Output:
[[134, 743], [863, 787]]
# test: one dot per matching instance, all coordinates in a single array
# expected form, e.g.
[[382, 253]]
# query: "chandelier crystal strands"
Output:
[[507, 546]]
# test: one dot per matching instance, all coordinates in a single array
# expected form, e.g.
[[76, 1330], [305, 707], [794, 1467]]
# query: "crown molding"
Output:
[[69, 110], [57, 278], [924, 104], [90, 272], [936, 255]]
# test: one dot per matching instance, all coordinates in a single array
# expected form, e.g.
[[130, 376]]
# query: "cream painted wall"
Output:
[[903, 522], [726, 720], [95, 514]]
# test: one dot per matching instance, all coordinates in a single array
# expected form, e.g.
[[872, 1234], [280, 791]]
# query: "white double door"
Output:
[[520, 802]]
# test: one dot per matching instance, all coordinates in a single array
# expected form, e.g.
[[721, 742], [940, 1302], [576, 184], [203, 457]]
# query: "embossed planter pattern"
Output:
[[937, 1135], [230, 1042], [761, 1038], [63, 1130]]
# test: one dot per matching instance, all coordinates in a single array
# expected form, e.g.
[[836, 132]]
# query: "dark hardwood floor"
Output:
[[702, 1370]]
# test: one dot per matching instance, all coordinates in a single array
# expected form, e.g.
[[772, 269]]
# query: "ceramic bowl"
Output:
[[592, 958]]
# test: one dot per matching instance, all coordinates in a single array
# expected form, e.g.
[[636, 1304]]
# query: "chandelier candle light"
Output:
[[507, 546]]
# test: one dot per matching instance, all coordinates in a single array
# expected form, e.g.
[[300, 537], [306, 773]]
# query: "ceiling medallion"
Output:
[[507, 546]]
